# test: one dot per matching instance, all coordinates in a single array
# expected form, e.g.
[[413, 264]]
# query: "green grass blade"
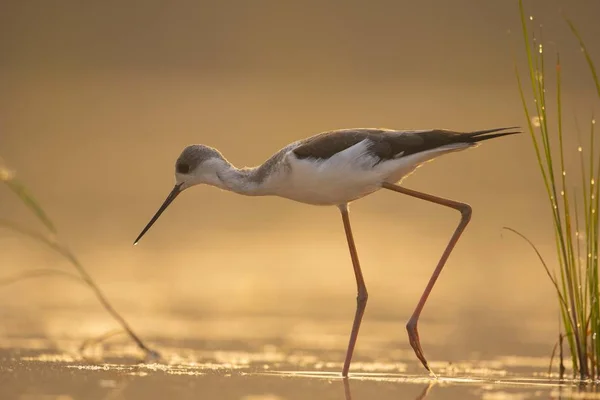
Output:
[[575, 218], [588, 58], [532, 132], [541, 258], [39, 237], [27, 198]]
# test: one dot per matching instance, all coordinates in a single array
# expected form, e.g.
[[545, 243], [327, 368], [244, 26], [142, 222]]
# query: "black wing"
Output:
[[389, 144]]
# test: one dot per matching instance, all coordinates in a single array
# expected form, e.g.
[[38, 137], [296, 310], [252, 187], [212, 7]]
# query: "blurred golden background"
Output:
[[98, 99]]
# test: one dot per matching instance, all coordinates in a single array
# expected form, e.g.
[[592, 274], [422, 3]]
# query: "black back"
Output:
[[387, 144]]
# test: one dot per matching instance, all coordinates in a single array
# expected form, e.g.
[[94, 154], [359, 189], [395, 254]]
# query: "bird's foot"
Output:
[[413, 337]]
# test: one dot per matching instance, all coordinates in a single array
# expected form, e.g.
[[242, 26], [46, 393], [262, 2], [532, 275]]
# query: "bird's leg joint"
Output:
[[466, 211], [362, 296], [411, 325]]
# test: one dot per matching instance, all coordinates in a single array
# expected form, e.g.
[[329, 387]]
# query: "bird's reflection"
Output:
[[425, 391], [347, 392], [421, 396]]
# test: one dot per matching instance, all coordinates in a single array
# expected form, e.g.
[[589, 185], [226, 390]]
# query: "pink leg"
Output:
[[465, 211], [361, 298]]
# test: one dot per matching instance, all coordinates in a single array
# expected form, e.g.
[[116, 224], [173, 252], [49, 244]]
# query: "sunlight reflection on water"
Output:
[[273, 367], [487, 379]]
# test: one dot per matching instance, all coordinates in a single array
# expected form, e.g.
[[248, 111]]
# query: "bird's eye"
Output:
[[183, 168]]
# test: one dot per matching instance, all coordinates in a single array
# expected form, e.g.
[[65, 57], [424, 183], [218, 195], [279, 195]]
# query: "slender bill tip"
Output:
[[176, 190]]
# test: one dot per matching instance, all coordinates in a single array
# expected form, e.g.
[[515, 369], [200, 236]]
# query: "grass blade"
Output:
[[541, 258], [23, 194], [7, 177], [578, 285], [35, 273]]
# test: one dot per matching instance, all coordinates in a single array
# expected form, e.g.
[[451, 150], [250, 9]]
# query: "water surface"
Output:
[[242, 358]]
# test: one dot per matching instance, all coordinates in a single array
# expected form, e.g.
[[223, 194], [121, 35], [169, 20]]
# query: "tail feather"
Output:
[[478, 136]]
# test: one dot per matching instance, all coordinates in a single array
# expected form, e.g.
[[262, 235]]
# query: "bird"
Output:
[[335, 168]]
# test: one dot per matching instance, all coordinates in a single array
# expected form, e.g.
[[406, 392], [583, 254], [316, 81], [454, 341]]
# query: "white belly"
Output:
[[345, 177], [317, 184]]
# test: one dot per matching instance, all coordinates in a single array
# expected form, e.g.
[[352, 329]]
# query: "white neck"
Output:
[[239, 180]]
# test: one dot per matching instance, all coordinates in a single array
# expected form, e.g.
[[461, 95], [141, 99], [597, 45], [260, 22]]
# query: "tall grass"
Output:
[[573, 201], [51, 239]]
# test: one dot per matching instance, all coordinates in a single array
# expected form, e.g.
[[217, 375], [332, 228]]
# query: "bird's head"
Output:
[[197, 164]]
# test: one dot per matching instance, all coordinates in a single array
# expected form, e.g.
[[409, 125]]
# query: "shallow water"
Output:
[[236, 359]]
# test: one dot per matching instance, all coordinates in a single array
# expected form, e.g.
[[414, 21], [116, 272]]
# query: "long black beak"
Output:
[[176, 190]]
